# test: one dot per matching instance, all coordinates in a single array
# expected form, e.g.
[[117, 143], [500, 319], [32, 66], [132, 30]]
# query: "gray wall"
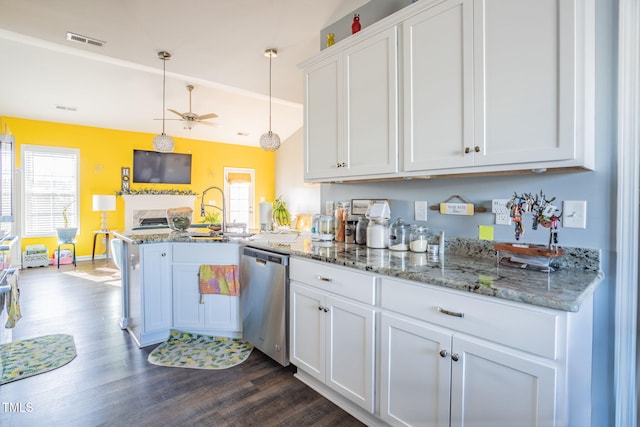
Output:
[[598, 188]]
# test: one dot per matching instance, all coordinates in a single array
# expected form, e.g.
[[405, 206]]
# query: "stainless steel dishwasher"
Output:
[[264, 302]]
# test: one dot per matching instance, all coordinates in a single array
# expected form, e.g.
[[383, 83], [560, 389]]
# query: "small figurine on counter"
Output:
[[355, 27]]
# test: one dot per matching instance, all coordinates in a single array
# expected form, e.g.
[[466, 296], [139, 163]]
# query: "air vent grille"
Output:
[[66, 107], [84, 39]]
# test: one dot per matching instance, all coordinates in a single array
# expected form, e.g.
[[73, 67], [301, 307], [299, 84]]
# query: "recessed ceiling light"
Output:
[[242, 134], [84, 39]]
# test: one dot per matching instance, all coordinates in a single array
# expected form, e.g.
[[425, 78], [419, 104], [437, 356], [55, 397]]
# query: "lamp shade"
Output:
[[104, 202]]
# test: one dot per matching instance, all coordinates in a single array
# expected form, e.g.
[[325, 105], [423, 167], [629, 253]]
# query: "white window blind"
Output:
[[239, 188], [6, 181], [50, 184]]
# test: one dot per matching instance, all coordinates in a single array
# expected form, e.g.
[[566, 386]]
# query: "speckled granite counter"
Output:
[[468, 265]]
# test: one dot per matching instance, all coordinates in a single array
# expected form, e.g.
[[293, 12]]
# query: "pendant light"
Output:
[[163, 142], [270, 141]]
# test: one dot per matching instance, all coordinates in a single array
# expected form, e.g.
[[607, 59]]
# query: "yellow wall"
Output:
[[104, 151]]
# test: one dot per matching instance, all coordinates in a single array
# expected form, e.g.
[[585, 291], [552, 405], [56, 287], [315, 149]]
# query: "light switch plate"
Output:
[[499, 206], [574, 214], [503, 219], [420, 211]]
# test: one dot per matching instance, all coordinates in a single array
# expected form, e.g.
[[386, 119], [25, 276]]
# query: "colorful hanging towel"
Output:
[[219, 279], [13, 302]]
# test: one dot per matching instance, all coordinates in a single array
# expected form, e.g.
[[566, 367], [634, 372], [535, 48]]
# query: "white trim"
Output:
[[627, 236]]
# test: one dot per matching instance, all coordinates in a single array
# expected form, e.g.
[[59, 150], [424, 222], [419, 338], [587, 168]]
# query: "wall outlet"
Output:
[[503, 219], [499, 206], [420, 211], [574, 214]]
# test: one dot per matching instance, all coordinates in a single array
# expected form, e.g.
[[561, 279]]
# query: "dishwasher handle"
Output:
[[265, 256]]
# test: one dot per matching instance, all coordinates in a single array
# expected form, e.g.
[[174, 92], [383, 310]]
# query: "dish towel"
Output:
[[218, 279], [13, 302]]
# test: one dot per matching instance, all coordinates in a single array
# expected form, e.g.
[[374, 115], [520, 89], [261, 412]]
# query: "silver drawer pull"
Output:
[[324, 279], [450, 313]]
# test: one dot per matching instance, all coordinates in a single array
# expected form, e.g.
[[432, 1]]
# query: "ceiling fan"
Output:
[[191, 119]]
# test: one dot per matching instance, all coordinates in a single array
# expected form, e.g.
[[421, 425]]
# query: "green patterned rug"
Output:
[[22, 359], [185, 350]]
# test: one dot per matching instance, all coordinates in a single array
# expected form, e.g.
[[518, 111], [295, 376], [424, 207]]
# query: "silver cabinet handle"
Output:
[[467, 150], [163, 254], [324, 279], [476, 149], [443, 353], [450, 313], [320, 308], [326, 309], [455, 357]]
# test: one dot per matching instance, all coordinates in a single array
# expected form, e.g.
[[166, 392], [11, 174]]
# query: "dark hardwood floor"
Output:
[[110, 382]]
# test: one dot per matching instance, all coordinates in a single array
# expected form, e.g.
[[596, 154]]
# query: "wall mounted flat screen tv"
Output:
[[161, 168]]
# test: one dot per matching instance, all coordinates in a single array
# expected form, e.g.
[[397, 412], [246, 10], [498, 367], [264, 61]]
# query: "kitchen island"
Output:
[[408, 339]]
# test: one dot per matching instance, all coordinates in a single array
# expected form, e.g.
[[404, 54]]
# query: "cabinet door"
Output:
[[438, 96], [307, 330], [156, 278], [221, 312], [322, 84], [371, 105], [415, 375], [187, 310], [350, 350], [525, 81], [494, 386]]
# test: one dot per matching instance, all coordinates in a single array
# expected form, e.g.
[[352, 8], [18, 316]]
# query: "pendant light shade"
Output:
[[163, 142], [270, 141]]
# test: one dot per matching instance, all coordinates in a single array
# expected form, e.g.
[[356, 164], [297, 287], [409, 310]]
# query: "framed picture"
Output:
[[360, 206]]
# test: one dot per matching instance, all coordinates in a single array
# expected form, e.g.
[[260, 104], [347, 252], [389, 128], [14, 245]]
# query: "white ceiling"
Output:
[[216, 45]]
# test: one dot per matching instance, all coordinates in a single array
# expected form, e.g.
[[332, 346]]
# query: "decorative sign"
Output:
[[125, 177], [456, 208]]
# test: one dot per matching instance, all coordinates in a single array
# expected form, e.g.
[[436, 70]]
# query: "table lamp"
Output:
[[104, 203]]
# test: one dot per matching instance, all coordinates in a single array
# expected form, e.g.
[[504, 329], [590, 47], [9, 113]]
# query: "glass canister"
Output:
[[341, 214], [327, 227], [361, 231], [378, 233], [419, 238], [399, 236], [350, 229]]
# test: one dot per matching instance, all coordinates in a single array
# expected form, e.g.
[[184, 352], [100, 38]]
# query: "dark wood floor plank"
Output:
[[111, 383]]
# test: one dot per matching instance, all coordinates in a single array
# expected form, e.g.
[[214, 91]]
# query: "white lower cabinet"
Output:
[[210, 312], [433, 377], [332, 337]]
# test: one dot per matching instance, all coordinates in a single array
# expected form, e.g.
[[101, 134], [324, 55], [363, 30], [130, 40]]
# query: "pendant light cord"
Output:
[[164, 77], [270, 58]]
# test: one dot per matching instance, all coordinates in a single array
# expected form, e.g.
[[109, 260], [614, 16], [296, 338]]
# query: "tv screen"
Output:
[[161, 168]]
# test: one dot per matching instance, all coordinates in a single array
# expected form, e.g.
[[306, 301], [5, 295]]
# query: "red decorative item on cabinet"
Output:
[[355, 27]]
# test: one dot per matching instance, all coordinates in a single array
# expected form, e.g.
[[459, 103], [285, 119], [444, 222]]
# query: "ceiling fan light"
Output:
[[163, 143], [270, 141]]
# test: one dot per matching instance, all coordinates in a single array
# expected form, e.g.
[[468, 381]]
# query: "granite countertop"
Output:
[[467, 265]]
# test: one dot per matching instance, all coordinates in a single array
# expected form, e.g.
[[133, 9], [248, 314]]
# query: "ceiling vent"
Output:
[[84, 39], [66, 107]]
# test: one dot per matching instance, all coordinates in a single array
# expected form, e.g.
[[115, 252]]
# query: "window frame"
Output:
[[26, 149]]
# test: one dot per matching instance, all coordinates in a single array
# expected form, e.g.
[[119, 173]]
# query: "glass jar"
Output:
[[399, 236], [419, 238], [378, 233], [327, 227], [341, 214], [350, 229], [361, 231]]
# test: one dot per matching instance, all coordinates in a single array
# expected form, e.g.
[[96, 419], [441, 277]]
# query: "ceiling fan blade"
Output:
[[175, 112], [209, 123], [207, 116]]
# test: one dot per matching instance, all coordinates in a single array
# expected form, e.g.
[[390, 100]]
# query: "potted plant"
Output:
[[66, 234], [212, 219]]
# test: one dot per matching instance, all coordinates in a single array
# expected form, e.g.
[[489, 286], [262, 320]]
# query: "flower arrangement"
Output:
[[155, 192]]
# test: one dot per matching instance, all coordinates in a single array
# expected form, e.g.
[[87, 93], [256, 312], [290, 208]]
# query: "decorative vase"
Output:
[[355, 27], [67, 235]]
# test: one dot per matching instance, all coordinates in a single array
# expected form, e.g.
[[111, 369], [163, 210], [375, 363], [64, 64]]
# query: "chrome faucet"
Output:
[[221, 209]]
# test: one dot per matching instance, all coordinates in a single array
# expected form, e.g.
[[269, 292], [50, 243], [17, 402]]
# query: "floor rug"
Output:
[[22, 359], [186, 350]]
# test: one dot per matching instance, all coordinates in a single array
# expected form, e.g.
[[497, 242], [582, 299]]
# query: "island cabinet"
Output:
[[451, 359], [498, 85], [332, 326], [351, 110], [209, 313], [149, 289]]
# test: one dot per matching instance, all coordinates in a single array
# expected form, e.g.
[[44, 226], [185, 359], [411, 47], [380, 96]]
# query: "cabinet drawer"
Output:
[[206, 253], [342, 281], [528, 329]]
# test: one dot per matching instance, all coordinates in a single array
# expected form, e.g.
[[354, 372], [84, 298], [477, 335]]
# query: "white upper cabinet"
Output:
[[351, 110], [484, 85], [438, 82]]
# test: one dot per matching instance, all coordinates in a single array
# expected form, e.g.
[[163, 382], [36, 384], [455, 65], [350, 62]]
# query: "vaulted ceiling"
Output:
[[216, 45]]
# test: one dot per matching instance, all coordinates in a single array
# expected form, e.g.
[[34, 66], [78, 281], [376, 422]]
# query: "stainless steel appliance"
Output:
[[264, 301]]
